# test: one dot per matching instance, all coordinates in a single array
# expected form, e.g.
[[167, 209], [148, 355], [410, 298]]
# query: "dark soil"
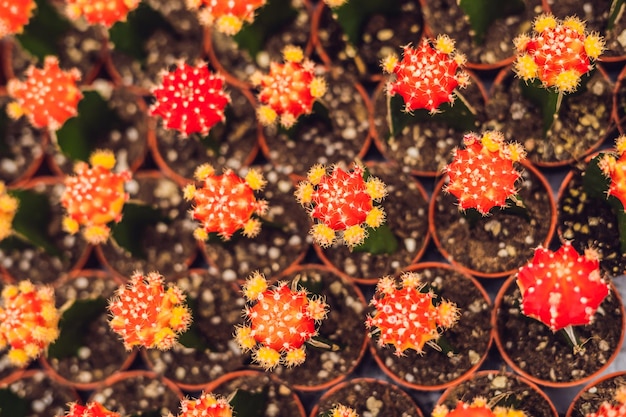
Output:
[[500, 242], [590, 400], [406, 208], [548, 356], [503, 389], [469, 338]]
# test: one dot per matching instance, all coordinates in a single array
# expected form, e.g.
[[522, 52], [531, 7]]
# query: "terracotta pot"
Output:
[[603, 344], [589, 399], [505, 385], [470, 338], [542, 229], [406, 209], [365, 395]]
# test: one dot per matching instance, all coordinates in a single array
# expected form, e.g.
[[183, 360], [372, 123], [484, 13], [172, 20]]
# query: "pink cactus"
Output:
[[613, 410], [190, 99], [208, 405], [146, 314], [92, 409], [289, 90], [8, 208], [14, 15], [227, 16], [614, 167], [406, 317], [225, 203], [105, 12], [562, 288], [482, 175], [342, 202], [48, 97], [428, 75], [280, 322], [477, 408]]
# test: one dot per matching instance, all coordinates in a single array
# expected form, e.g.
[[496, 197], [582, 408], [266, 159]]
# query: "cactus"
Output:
[[289, 90], [92, 409], [406, 316], [477, 408], [48, 97], [105, 12], [614, 167], [207, 405], [226, 203], [190, 99], [227, 16], [343, 411], [146, 314], [335, 3], [14, 15], [28, 321], [482, 175], [612, 410], [428, 75], [8, 208], [280, 321], [94, 196]]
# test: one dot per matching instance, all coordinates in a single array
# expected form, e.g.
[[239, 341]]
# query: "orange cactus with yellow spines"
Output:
[[14, 15], [477, 408], [280, 321], [343, 202], [559, 53], [289, 90], [483, 175], [618, 409], [8, 208], [145, 313], [104, 12], [228, 17], [48, 97], [226, 203], [406, 316], [614, 167], [207, 405], [29, 321], [343, 411], [92, 409], [94, 196]]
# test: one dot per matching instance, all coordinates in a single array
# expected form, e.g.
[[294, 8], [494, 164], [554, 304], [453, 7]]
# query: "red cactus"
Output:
[[406, 317], [92, 409], [613, 410], [227, 16], [94, 197], [281, 320], [558, 54], [482, 175], [28, 321], [226, 202], [190, 99], [208, 405], [105, 12], [8, 208], [146, 314], [477, 408], [615, 169], [342, 202], [562, 288], [14, 15], [289, 90], [427, 76], [48, 97]]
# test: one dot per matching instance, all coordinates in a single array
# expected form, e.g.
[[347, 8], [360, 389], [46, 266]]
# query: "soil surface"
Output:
[[590, 400]]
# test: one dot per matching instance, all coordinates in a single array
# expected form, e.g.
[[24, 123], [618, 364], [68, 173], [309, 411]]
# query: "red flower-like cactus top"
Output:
[[8, 208], [406, 317], [48, 97], [105, 12], [92, 409], [613, 410], [343, 411], [427, 76], [94, 196], [281, 320], [208, 405], [28, 321], [227, 16], [289, 90], [190, 99], [477, 408], [342, 202], [14, 15], [558, 54], [225, 203], [146, 314], [615, 169], [482, 175], [562, 288]]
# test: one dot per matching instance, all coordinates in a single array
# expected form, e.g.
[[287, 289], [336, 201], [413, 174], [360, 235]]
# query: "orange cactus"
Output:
[[562, 288], [615, 169], [48, 97], [343, 411], [482, 175], [558, 54], [28, 321], [342, 202], [92, 409], [226, 202], [94, 197], [145, 314], [477, 408], [613, 410], [406, 317], [14, 15], [8, 208], [289, 90], [227, 16], [427, 76], [208, 405], [105, 12], [281, 321]]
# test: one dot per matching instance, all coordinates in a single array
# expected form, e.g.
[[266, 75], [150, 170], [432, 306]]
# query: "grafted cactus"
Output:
[[14, 15], [227, 16], [617, 409], [8, 208], [105, 12], [477, 408], [343, 411], [92, 409], [614, 167], [207, 405]]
